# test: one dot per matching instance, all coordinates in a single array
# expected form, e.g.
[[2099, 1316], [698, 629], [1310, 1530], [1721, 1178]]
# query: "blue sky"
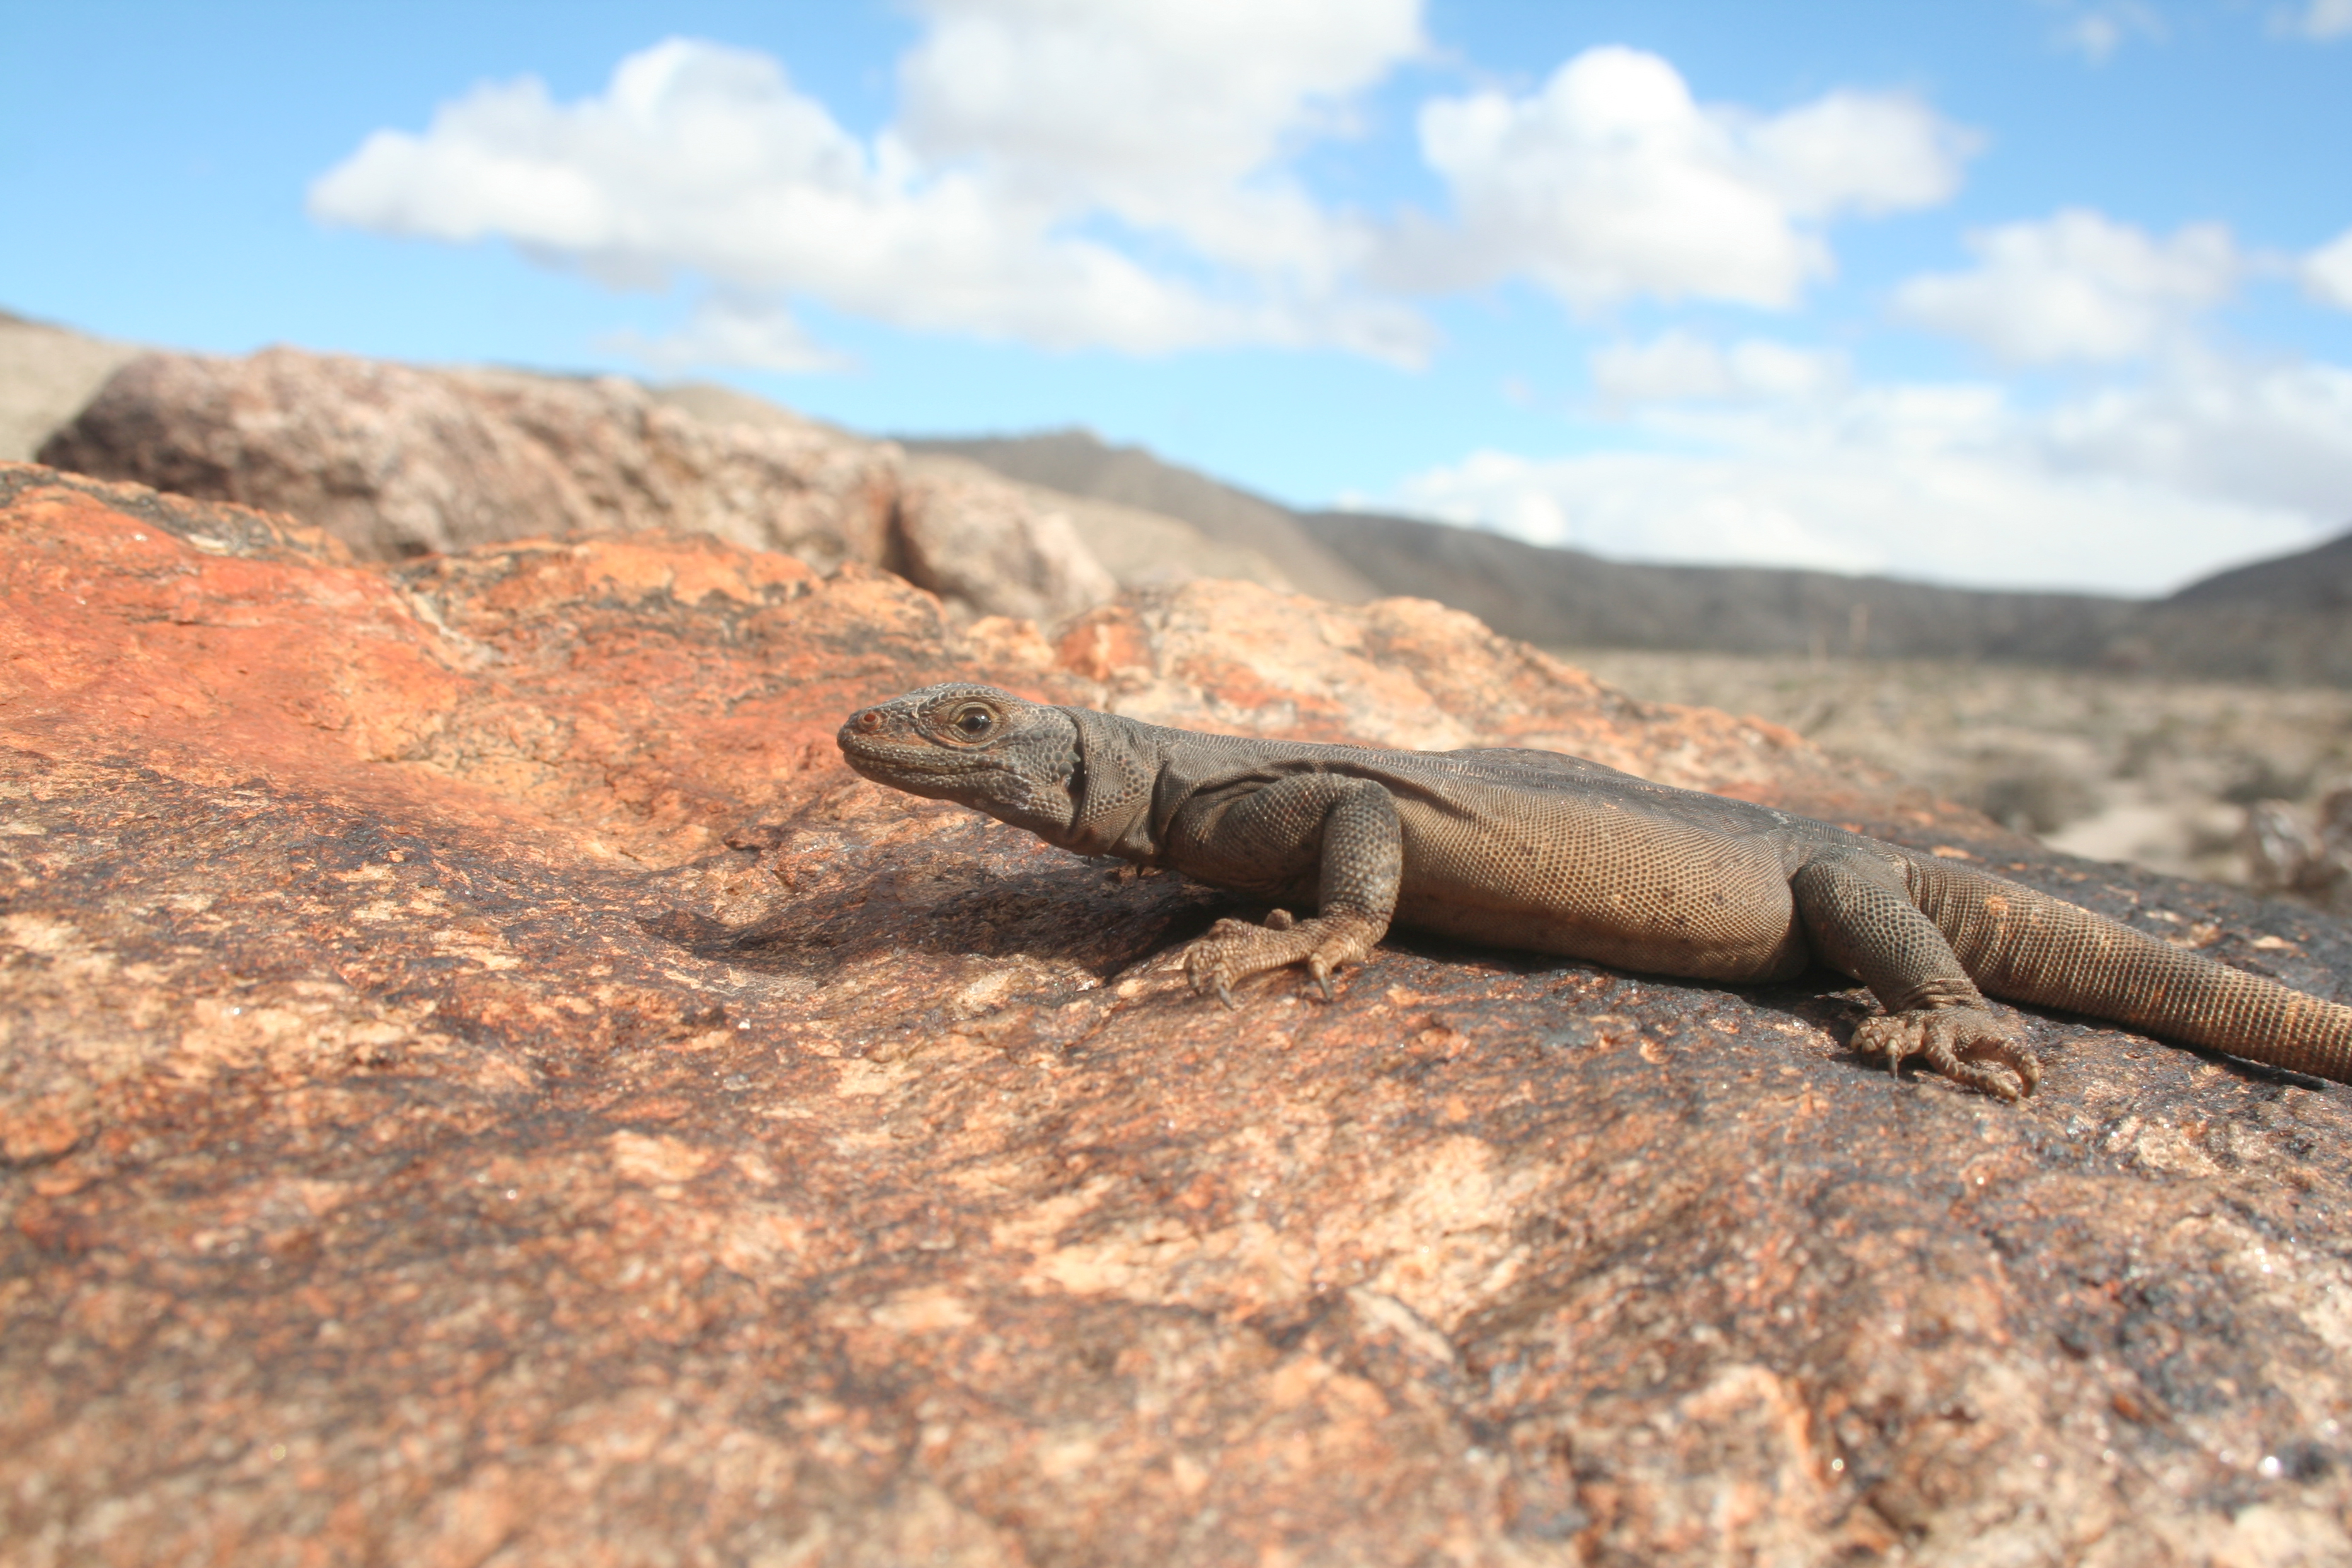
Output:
[[2011, 291]]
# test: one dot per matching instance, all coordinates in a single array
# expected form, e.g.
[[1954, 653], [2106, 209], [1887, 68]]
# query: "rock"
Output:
[[976, 540], [399, 461], [724, 406], [2303, 856], [1076, 462], [1138, 549], [482, 1082], [46, 373]]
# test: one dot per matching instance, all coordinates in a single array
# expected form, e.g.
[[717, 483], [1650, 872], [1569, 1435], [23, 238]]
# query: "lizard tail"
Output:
[[2026, 946]]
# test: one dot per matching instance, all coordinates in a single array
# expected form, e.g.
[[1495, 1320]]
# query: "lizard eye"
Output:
[[973, 721]]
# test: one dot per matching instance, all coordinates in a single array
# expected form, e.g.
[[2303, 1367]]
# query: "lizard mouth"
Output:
[[870, 759]]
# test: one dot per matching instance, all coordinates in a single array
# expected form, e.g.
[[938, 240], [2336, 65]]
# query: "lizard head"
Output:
[[977, 746]]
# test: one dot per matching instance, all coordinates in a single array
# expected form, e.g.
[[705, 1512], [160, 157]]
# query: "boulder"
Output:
[[399, 461], [1138, 549], [482, 1082], [972, 538], [46, 373], [1078, 463]]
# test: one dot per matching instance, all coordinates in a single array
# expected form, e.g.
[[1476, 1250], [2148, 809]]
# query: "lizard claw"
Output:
[[1968, 1045], [1234, 949]]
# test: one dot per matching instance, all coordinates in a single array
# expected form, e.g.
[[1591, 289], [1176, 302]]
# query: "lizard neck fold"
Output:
[[1118, 771]]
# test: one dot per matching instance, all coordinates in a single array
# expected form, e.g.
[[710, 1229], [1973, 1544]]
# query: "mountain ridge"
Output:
[[2275, 620]]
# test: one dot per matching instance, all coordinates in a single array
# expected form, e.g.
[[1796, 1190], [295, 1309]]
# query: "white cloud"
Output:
[[632, 183], [704, 159], [1856, 151], [1171, 114], [2129, 491], [2078, 286], [2327, 271], [2097, 31], [2319, 19], [1678, 364], [1122, 173], [2276, 435], [1610, 182]]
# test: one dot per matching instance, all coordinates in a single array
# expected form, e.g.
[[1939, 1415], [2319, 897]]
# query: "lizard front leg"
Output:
[[1859, 917], [1344, 830]]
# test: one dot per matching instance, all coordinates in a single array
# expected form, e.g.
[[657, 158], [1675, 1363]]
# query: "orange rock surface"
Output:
[[481, 1083]]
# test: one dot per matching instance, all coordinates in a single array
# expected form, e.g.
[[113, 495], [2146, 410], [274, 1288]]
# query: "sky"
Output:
[[2030, 293]]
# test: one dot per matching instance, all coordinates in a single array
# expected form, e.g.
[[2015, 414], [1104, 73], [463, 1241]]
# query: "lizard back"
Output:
[[1534, 850]]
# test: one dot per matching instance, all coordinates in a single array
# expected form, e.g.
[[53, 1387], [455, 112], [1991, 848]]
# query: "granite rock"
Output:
[[973, 539], [1140, 549], [481, 1083], [46, 373], [400, 461]]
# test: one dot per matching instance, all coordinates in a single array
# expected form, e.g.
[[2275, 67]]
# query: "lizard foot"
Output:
[[1234, 949], [1966, 1045]]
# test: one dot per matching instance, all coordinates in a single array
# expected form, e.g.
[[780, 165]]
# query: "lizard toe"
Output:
[[1893, 1036], [1209, 974], [1944, 1043], [1234, 949], [1211, 981], [2029, 1069], [1968, 1045]]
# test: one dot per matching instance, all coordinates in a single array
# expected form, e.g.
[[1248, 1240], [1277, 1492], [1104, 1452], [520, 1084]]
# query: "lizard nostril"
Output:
[[870, 721]]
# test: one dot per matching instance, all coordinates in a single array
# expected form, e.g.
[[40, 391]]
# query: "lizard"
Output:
[[1546, 852]]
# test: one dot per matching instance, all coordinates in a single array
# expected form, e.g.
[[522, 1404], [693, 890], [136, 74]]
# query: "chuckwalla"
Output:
[[1532, 849]]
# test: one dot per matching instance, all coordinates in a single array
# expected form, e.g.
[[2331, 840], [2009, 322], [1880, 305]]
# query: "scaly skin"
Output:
[[1535, 850]]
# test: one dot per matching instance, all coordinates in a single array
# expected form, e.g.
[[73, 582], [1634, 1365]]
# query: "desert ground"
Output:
[[2114, 767]]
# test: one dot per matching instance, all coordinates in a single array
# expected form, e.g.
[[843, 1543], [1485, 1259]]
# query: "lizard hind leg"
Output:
[[1859, 917], [1968, 1045], [1234, 949]]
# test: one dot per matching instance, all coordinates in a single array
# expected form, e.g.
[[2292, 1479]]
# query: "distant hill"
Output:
[[2311, 581], [2281, 620], [1569, 598]]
